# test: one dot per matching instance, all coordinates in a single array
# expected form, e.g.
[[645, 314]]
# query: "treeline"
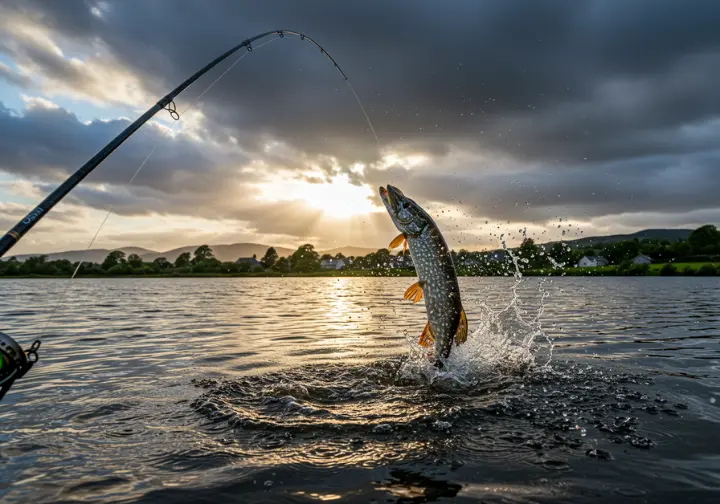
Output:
[[117, 263], [702, 246]]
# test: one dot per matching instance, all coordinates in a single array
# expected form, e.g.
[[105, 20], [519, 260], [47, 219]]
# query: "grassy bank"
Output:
[[665, 269]]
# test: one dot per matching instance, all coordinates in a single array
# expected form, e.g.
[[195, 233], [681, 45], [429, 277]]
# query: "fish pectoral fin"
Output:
[[426, 337], [414, 293], [397, 241], [462, 330]]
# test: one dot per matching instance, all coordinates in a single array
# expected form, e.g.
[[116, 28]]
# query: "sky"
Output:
[[503, 119]]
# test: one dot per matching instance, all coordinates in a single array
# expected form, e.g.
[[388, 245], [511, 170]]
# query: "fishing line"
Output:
[[377, 141], [177, 117], [16, 362]]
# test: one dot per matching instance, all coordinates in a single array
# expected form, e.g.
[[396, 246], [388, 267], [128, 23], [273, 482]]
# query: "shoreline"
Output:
[[682, 269]]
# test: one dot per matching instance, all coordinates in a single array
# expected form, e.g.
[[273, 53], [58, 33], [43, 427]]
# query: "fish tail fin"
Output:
[[462, 330]]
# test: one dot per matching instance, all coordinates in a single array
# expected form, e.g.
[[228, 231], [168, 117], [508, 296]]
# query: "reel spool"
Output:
[[14, 361]]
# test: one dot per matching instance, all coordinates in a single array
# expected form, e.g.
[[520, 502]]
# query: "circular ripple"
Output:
[[366, 415]]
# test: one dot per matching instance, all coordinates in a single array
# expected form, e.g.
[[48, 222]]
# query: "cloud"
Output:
[[13, 77], [602, 112]]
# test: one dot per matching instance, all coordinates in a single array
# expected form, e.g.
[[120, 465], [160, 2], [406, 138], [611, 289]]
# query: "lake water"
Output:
[[311, 390]]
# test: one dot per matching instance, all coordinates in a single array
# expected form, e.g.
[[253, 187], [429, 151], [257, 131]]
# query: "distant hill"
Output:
[[222, 252], [350, 251], [654, 234], [92, 255], [229, 252]]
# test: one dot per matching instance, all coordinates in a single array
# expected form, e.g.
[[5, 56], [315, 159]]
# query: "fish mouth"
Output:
[[391, 196]]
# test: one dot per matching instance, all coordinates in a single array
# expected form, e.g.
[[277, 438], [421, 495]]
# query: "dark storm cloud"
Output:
[[51, 143], [654, 183], [433, 70], [609, 105]]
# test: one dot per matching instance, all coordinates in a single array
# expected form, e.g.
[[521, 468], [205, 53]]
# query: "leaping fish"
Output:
[[437, 279]]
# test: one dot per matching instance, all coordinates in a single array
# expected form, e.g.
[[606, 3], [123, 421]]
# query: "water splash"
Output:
[[507, 341]]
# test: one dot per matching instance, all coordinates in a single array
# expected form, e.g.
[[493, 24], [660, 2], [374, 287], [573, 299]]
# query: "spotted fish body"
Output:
[[437, 279]]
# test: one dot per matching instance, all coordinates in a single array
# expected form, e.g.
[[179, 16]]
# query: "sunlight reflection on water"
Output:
[[306, 383]]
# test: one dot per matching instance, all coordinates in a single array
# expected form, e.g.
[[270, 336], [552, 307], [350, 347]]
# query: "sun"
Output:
[[337, 198]]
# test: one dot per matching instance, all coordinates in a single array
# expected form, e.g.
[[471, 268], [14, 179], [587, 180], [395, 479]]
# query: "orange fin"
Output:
[[414, 293], [462, 330], [426, 338], [397, 241]]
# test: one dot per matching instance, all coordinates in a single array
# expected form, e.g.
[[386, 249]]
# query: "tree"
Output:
[[203, 253], [326, 257], [680, 249], [210, 265], [134, 261], [230, 267], [531, 253], [118, 269], [621, 251], [270, 258], [305, 258], [182, 260], [161, 263], [114, 258], [705, 239], [64, 266], [561, 253], [282, 264]]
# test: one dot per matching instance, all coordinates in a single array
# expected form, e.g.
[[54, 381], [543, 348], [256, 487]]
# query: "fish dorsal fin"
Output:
[[414, 293], [462, 330], [426, 337], [399, 239]]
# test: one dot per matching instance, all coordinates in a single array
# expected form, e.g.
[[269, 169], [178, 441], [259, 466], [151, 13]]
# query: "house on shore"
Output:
[[333, 264], [592, 262], [641, 259], [252, 261]]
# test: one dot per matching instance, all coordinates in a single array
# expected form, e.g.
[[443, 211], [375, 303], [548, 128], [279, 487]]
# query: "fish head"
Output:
[[407, 215]]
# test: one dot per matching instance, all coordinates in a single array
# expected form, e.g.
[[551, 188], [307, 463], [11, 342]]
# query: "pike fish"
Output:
[[437, 280]]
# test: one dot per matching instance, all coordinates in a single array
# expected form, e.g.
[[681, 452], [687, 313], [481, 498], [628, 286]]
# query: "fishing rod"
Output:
[[16, 362]]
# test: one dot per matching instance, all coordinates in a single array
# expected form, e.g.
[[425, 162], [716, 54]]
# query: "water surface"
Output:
[[309, 390]]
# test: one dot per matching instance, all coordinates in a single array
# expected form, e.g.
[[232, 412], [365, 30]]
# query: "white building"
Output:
[[641, 259], [592, 261], [330, 264]]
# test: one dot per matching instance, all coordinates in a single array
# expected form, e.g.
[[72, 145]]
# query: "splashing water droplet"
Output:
[[505, 341]]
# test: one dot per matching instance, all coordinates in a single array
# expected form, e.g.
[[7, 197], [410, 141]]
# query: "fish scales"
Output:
[[437, 279], [436, 272]]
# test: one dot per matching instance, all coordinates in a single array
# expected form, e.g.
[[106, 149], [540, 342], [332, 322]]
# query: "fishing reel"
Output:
[[14, 361]]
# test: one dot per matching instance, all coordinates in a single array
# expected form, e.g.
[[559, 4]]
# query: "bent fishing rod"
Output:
[[16, 362]]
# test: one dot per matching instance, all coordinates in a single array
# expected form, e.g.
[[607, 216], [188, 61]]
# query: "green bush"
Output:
[[119, 269], [633, 269], [688, 271], [668, 270], [707, 270]]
